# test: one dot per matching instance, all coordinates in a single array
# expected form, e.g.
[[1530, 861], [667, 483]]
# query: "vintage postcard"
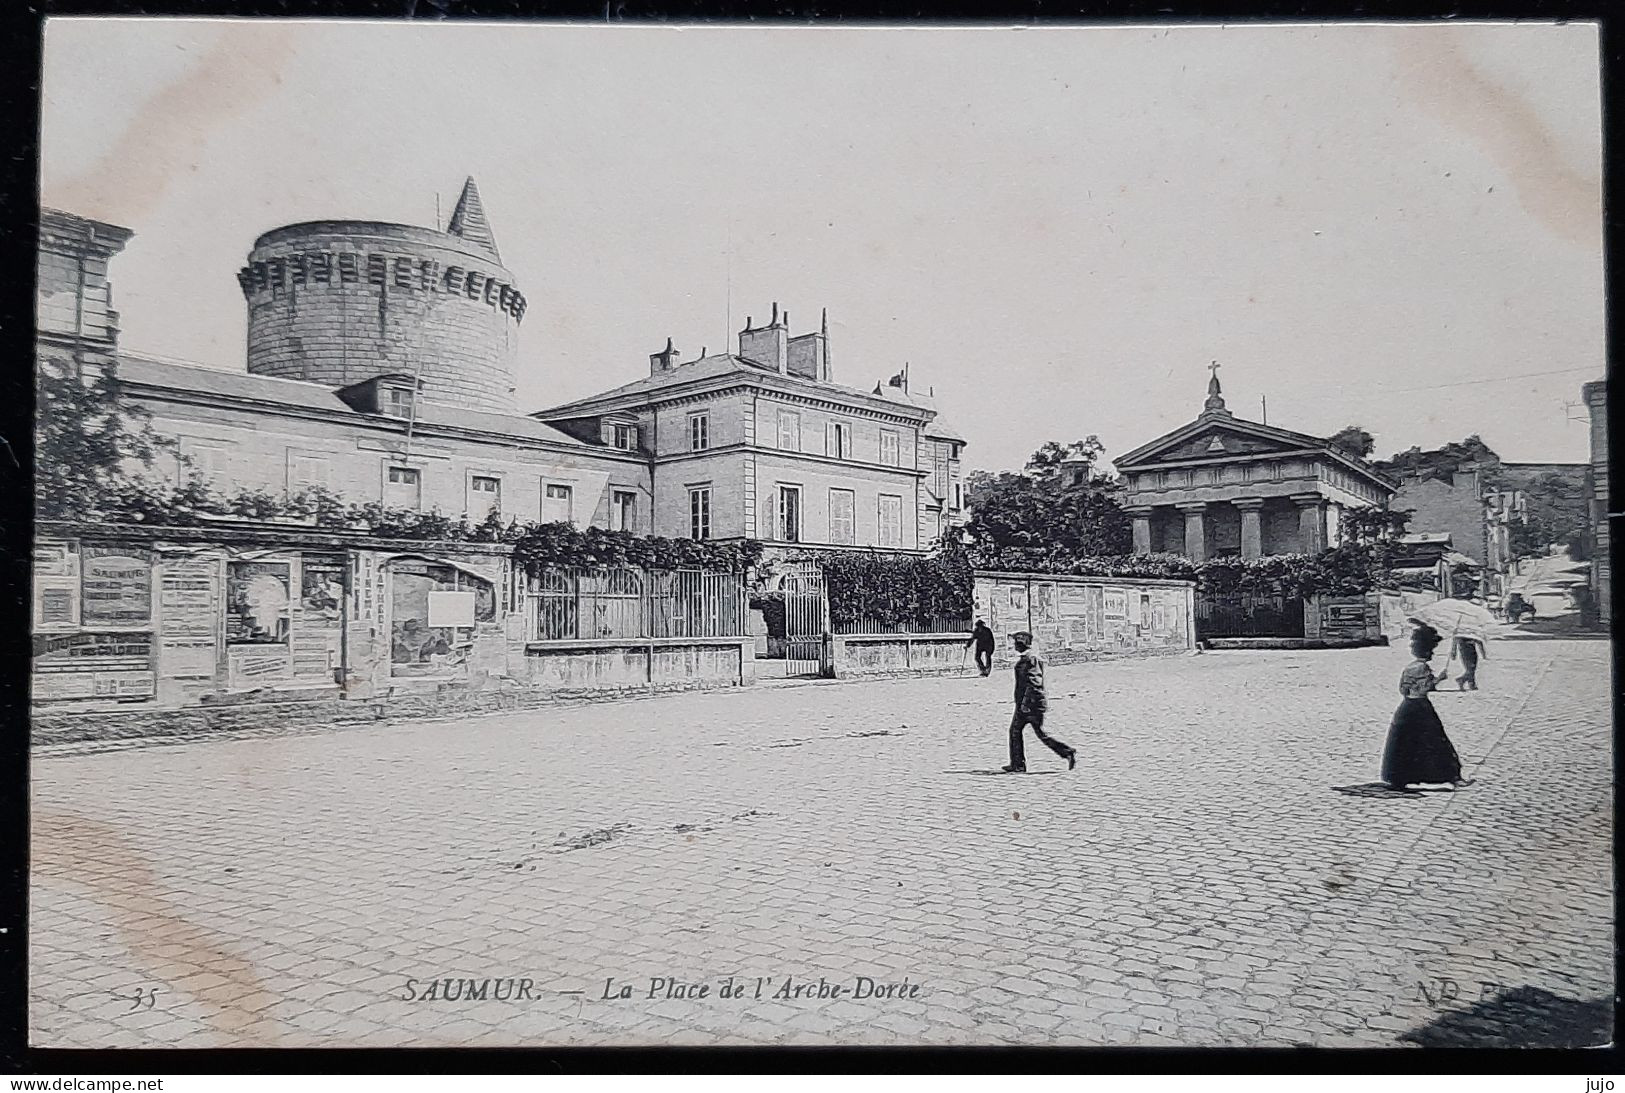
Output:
[[566, 536]]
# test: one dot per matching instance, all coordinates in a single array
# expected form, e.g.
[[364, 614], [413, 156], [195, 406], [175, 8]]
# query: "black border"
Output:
[[20, 45]]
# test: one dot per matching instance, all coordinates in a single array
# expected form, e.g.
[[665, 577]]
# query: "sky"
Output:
[[1057, 229]]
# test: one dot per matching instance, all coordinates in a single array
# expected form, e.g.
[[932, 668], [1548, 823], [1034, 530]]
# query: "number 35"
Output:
[[143, 998]]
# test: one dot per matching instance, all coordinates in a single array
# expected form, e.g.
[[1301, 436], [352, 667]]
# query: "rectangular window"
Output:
[[891, 521], [403, 488], [789, 527], [789, 431], [959, 496], [623, 511], [203, 462], [398, 402], [842, 505], [557, 503], [308, 471], [484, 495], [624, 437], [699, 432], [888, 448], [699, 513], [838, 441]]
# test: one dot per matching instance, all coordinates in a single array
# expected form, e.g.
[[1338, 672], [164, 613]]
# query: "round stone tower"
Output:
[[337, 302]]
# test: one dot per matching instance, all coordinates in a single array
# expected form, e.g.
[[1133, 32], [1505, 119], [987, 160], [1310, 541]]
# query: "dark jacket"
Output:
[[1030, 696], [982, 638]]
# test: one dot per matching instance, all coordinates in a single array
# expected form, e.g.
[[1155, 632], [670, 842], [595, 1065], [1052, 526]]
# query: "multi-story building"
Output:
[[380, 366], [763, 445], [76, 323], [1596, 400]]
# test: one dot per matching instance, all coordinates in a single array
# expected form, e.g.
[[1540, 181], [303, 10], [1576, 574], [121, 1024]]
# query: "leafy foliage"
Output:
[[96, 461], [894, 590], [1444, 462], [1353, 441], [93, 457], [1063, 506]]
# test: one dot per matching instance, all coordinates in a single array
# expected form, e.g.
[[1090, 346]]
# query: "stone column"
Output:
[[1142, 528], [1252, 528], [1311, 522], [1195, 529]]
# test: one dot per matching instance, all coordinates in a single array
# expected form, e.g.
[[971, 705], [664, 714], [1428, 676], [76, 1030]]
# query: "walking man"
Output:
[[1031, 705], [982, 638]]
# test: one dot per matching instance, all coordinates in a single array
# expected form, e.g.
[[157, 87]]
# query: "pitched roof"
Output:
[[938, 427], [1225, 419], [468, 220], [174, 376], [715, 366]]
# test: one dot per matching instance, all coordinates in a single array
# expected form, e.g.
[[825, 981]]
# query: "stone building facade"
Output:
[[380, 366], [75, 321], [1222, 485], [1596, 400], [764, 445]]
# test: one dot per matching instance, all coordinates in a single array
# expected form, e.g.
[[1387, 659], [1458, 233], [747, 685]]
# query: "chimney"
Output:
[[767, 346], [663, 361], [809, 354]]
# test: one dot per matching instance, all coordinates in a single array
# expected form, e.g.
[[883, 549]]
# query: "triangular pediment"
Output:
[[1216, 437]]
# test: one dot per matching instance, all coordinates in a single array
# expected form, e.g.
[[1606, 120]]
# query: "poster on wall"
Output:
[[189, 602], [251, 666], [54, 560], [321, 588], [1116, 605], [431, 635], [1048, 611], [80, 666], [116, 586], [257, 603]]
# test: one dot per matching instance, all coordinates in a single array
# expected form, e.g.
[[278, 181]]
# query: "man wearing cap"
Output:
[[1031, 705]]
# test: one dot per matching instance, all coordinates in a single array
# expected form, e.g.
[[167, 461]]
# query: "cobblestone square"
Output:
[[1220, 869]]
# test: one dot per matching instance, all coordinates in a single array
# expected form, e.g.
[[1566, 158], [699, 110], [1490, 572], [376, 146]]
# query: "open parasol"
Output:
[[1456, 619]]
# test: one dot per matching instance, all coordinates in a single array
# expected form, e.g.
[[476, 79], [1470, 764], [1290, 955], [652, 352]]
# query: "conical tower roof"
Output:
[[468, 220]]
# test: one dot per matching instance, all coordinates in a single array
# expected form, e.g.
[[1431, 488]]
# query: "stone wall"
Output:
[[137, 635], [1086, 618], [635, 663], [1344, 618], [1071, 619], [860, 655], [1394, 607]]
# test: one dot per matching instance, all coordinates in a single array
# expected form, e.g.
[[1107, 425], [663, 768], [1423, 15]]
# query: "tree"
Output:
[[1072, 464], [1353, 441], [1446, 461], [1063, 507], [94, 455]]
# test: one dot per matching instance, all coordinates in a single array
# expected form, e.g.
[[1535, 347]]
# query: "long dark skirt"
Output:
[[1418, 751]]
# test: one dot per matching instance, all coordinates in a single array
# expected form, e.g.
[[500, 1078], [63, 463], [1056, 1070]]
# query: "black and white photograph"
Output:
[[919, 536]]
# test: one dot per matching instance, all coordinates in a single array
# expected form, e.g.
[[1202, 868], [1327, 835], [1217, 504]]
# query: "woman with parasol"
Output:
[[1466, 626], [1418, 751]]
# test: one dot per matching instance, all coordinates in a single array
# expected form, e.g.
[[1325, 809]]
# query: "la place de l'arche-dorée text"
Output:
[[733, 988]]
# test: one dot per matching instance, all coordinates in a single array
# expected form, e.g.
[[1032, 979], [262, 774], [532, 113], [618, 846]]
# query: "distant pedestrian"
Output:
[[1469, 651], [982, 638], [1418, 751], [1031, 706]]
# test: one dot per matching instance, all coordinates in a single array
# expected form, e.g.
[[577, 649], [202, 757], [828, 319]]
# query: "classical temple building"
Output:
[[1222, 485]]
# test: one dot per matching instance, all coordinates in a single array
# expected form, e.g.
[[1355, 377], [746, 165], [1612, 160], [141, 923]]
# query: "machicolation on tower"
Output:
[[336, 302]]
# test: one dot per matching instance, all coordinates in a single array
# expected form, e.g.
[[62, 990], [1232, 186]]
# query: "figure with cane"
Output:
[[982, 638]]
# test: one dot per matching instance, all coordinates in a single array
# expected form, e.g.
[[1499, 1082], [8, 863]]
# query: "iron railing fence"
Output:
[[628, 602], [911, 626]]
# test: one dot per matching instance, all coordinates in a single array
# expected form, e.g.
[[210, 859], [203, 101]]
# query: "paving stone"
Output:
[[1200, 879]]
